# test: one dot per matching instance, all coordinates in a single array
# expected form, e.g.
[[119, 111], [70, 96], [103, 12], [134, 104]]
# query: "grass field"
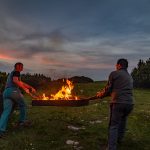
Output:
[[86, 126]]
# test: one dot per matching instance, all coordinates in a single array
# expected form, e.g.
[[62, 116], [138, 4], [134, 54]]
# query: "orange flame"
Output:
[[64, 93]]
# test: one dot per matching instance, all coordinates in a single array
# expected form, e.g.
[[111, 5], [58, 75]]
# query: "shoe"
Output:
[[119, 141], [25, 123], [2, 134]]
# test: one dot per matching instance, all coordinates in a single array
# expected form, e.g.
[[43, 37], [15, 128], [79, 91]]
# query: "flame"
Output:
[[64, 93]]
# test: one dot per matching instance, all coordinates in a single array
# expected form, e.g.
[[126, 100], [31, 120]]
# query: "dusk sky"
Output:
[[63, 38]]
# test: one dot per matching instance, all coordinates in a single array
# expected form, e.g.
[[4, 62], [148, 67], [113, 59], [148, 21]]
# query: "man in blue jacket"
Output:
[[119, 87], [12, 95]]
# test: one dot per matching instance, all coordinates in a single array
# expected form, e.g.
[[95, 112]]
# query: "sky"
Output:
[[64, 38]]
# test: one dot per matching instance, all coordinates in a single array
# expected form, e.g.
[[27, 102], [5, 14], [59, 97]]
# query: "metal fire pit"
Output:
[[72, 103]]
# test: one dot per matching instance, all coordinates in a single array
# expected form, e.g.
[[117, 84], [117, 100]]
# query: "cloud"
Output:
[[5, 66], [85, 38]]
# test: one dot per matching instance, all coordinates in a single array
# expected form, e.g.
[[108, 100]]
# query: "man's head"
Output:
[[19, 66], [122, 63]]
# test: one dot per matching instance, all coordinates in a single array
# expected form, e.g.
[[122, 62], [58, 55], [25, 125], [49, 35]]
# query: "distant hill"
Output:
[[81, 79], [77, 79]]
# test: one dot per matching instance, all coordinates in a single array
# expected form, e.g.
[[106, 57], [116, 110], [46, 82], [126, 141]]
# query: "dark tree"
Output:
[[141, 74]]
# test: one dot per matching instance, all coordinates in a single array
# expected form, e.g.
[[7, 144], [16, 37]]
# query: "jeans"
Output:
[[12, 96], [117, 124]]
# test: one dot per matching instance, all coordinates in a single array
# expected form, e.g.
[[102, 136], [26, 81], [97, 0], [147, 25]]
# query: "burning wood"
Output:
[[63, 97], [65, 93]]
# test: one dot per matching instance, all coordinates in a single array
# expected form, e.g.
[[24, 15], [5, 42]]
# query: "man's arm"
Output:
[[23, 85], [29, 87], [106, 91]]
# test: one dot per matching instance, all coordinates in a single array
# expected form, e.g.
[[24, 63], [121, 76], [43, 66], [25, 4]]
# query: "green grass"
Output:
[[50, 125]]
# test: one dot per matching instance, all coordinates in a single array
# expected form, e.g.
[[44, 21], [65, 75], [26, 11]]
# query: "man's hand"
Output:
[[27, 90], [33, 90], [99, 94]]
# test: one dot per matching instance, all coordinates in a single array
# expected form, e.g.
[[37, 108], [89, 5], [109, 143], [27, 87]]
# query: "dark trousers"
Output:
[[117, 124], [1, 104]]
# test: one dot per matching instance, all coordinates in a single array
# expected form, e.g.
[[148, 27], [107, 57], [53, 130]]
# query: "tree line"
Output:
[[40, 81], [141, 74], [36, 80]]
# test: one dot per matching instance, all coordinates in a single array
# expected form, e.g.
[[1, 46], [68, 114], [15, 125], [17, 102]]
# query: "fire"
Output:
[[65, 93]]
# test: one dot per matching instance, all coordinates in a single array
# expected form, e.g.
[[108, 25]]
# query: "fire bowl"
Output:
[[71, 103]]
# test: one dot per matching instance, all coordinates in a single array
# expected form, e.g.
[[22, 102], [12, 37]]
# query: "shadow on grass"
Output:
[[131, 144]]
